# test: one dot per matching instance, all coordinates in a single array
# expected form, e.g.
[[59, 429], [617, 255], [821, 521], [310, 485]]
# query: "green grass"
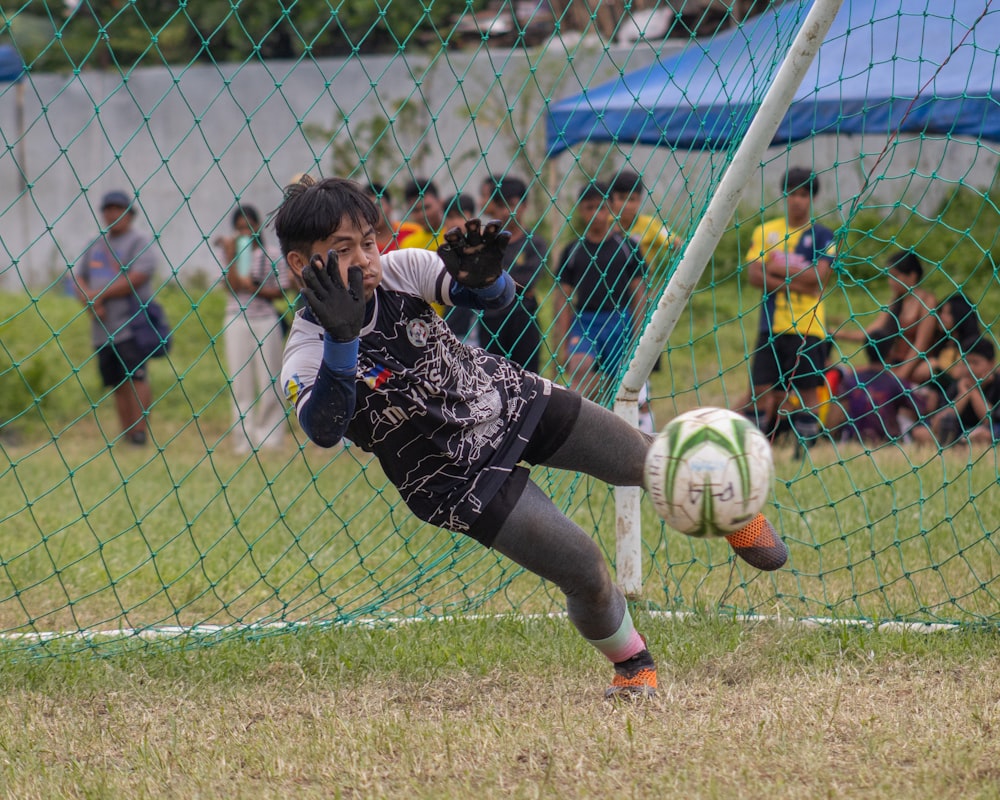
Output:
[[511, 708], [332, 702]]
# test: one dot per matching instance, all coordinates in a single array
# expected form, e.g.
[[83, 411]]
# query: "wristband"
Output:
[[494, 290], [340, 356]]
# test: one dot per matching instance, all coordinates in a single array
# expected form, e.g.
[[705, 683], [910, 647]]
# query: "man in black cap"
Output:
[[112, 279]]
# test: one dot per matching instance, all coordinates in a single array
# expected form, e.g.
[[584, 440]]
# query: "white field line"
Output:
[[176, 631]]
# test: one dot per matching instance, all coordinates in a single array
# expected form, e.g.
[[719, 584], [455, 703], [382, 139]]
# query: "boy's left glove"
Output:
[[338, 308], [474, 257]]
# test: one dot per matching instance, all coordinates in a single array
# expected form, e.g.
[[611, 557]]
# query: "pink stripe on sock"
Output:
[[622, 644], [634, 645]]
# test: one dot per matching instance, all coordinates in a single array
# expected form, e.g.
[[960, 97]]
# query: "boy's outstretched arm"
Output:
[[325, 411]]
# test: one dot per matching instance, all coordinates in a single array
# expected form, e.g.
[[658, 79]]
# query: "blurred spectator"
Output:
[[874, 405], [656, 241], [256, 276], [487, 187], [973, 413], [910, 313], [390, 234], [958, 328], [425, 212], [602, 279], [112, 278], [513, 331], [457, 210], [791, 258]]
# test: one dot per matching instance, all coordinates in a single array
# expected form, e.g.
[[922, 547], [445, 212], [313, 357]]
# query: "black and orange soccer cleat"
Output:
[[635, 678], [759, 545]]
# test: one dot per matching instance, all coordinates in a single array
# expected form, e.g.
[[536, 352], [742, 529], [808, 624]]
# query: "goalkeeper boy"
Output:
[[451, 425]]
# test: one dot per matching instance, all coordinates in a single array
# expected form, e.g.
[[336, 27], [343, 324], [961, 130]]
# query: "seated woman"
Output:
[[973, 410], [958, 327], [874, 405], [910, 313]]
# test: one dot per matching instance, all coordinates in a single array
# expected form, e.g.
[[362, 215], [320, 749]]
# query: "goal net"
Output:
[[576, 120]]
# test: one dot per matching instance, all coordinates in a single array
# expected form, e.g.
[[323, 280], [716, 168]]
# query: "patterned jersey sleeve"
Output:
[[420, 273]]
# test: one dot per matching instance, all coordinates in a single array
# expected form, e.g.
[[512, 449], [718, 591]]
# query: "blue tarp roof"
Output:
[[910, 65]]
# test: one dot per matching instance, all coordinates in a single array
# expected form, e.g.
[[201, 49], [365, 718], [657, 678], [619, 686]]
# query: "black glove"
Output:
[[475, 258], [339, 309]]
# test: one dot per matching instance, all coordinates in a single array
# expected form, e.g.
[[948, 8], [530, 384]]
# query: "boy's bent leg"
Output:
[[540, 538], [543, 540], [603, 445]]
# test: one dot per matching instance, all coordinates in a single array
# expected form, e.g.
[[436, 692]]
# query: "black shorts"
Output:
[[119, 362], [557, 421], [787, 360]]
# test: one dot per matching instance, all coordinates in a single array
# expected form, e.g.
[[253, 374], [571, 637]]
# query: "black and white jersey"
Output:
[[447, 422]]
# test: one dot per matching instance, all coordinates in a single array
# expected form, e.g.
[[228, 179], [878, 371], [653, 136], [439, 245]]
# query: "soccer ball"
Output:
[[709, 472]]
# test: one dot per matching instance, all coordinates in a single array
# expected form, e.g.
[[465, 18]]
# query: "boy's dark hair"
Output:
[[419, 187], [801, 178], [510, 189], [593, 190], [907, 263], [252, 216], [627, 181], [379, 190], [981, 346], [460, 204], [311, 211]]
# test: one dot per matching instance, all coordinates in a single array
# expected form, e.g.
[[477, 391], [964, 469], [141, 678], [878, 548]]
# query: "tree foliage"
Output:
[[127, 33]]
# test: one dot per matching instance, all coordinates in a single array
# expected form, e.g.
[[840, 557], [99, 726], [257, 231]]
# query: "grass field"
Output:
[[511, 708], [97, 537]]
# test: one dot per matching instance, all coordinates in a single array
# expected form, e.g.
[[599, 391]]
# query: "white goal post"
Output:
[[698, 252]]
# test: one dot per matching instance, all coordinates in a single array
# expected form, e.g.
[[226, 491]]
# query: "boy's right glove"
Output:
[[475, 258], [339, 309]]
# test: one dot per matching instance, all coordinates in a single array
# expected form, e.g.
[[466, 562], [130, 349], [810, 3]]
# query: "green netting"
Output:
[[194, 109]]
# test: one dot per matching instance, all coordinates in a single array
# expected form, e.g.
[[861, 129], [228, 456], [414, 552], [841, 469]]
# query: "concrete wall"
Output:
[[193, 141]]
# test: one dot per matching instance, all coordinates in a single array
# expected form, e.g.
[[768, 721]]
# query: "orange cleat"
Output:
[[634, 678], [759, 545]]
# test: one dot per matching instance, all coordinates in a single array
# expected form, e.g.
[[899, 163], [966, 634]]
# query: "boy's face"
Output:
[[353, 246], [385, 206], [980, 366], [242, 227], [592, 208], [901, 281], [116, 219], [428, 211], [625, 206], [799, 203], [501, 209], [454, 219]]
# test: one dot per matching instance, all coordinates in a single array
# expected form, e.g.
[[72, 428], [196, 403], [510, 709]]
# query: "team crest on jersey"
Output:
[[417, 331]]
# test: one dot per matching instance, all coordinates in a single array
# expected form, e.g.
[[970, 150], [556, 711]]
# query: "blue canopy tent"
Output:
[[920, 66]]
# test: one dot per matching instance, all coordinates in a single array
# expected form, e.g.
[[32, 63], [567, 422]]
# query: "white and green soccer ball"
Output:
[[709, 472]]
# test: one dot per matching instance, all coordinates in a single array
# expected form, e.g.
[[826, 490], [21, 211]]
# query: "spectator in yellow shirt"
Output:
[[790, 259]]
